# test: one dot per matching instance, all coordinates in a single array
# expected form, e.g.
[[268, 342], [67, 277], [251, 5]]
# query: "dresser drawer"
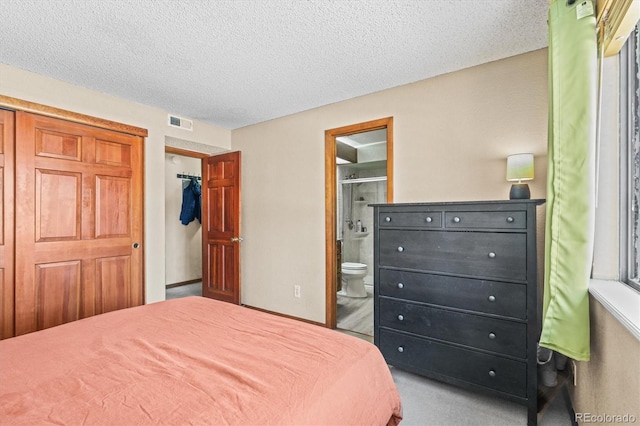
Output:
[[493, 219], [491, 334], [482, 254], [410, 219], [491, 297], [432, 358]]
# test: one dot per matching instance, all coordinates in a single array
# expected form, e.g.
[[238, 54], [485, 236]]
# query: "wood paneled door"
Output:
[[7, 144], [78, 221], [221, 227]]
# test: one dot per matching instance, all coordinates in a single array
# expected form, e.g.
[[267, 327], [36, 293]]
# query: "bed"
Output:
[[194, 361]]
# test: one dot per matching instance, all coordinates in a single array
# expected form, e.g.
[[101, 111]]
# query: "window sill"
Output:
[[620, 300]]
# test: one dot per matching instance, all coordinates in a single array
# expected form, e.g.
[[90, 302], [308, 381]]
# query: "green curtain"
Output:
[[571, 177]]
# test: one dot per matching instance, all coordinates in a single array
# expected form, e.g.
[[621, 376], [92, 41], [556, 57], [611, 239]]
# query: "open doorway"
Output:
[[183, 241], [219, 237], [364, 177]]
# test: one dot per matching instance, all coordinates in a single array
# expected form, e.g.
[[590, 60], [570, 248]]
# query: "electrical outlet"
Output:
[[296, 291]]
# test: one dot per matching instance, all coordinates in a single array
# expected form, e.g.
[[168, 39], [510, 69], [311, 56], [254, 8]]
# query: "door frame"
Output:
[[191, 154], [331, 201], [185, 153], [203, 157], [16, 104]]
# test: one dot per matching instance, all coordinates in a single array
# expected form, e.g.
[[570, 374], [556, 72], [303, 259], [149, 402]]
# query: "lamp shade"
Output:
[[520, 167]]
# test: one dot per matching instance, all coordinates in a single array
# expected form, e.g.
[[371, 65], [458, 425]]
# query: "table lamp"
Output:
[[519, 168]]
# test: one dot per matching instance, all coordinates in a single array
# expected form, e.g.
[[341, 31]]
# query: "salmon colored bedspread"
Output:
[[194, 361]]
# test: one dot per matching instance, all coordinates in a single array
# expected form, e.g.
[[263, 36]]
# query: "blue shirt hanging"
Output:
[[191, 202]]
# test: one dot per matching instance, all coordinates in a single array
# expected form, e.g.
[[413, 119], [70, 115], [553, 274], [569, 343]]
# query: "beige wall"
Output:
[[36, 88], [610, 382], [452, 135]]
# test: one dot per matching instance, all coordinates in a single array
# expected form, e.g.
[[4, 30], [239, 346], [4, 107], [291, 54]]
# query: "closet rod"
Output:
[[184, 176]]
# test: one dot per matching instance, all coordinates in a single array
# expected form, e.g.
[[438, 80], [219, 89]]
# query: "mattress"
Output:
[[194, 361]]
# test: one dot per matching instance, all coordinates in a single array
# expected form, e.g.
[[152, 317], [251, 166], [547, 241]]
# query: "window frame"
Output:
[[629, 123]]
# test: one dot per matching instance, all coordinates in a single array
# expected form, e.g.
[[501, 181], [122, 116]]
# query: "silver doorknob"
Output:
[[236, 239]]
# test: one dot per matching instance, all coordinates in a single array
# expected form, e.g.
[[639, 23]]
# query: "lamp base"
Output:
[[519, 191]]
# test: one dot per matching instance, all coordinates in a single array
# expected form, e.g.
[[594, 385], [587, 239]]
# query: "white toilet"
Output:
[[352, 279]]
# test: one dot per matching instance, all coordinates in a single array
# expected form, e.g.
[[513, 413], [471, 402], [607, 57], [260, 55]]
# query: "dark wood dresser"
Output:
[[456, 294]]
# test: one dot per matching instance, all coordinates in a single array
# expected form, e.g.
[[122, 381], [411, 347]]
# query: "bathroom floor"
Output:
[[356, 314]]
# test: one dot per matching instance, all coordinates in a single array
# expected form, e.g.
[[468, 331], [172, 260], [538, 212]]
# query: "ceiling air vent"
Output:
[[181, 123]]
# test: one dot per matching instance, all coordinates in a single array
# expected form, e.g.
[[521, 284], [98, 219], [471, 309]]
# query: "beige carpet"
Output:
[[430, 402]]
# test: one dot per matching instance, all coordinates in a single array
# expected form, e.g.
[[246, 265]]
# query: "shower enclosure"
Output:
[[358, 186]]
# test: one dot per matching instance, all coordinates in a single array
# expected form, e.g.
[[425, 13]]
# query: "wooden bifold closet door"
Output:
[[78, 222], [7, 144]]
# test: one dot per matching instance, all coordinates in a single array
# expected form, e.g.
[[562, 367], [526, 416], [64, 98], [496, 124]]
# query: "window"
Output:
[[630, 162]]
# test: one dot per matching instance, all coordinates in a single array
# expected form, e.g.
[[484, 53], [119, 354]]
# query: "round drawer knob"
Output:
[[429, 219], [492, 336], [456, 219], [400, 249], [492, 298], [492, 255], [400, 317], [492, 373], [510, 219], [400, 349], [387, 219], [400, 285]]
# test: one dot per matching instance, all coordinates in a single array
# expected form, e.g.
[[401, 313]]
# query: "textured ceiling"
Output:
[[236, 63]]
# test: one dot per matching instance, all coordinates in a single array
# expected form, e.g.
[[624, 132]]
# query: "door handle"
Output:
[[236, 239]]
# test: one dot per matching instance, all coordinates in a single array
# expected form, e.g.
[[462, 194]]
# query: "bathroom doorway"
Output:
[[359, 172]]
